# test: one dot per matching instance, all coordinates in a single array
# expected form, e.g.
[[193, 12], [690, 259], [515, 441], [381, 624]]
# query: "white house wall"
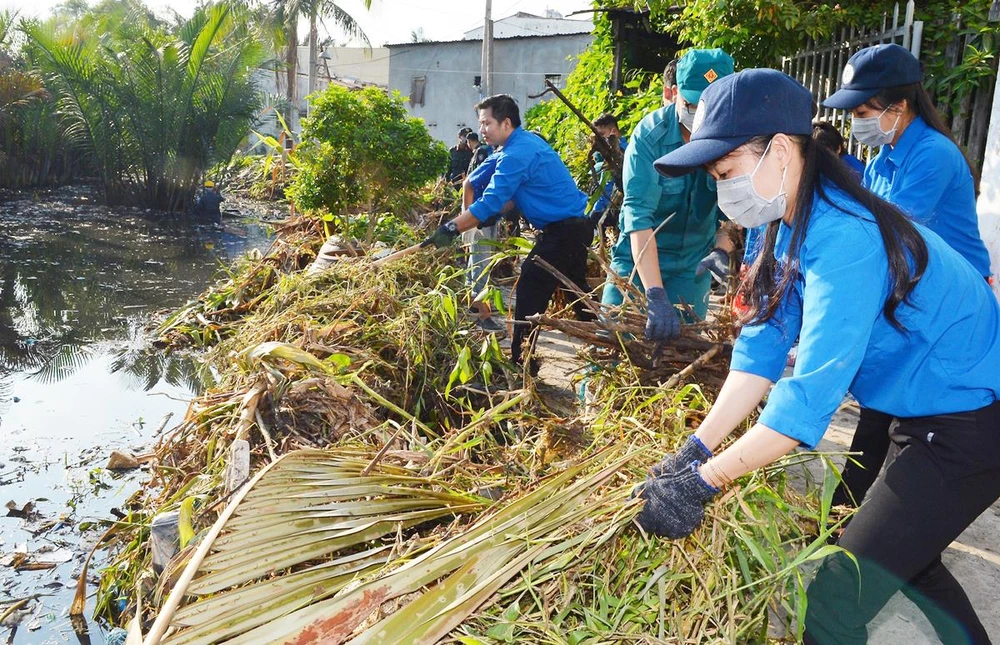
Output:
[[520, 66]]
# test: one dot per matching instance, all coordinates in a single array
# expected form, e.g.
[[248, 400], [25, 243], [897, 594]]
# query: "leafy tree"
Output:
[[33, 151], [758, 33], [360, 148], [153, 108], [286, 15]]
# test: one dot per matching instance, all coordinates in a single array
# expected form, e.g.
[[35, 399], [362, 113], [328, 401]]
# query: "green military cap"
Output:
[[699, 68]]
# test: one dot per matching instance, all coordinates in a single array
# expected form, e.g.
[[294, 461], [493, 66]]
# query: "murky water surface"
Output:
[[78, 285]]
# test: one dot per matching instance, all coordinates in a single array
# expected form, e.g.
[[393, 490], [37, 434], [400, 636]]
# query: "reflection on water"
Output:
[[78, 286]]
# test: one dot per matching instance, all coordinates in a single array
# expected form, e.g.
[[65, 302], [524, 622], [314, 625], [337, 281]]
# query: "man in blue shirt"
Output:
[[669, 225], [530, 174], [209, 203]]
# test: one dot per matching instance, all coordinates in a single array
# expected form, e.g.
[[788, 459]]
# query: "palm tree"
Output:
[[286, 15], [154, 108]]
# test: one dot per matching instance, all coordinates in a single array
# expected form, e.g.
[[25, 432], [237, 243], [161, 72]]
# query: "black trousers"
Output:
[[942, 472], [871, 439], [564, 245]]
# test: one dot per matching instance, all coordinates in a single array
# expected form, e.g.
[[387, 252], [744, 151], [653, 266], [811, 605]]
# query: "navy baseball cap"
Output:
[[735, 109], [871, 70]]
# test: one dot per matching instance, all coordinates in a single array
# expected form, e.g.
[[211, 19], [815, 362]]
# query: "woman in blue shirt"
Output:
[[883, 308], [920, 169]]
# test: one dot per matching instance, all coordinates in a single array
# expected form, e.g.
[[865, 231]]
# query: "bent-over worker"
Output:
[[669, 243], [531, 174], [883, 308]]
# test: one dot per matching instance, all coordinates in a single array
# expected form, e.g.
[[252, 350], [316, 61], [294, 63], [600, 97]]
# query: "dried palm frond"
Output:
[[300, 534]]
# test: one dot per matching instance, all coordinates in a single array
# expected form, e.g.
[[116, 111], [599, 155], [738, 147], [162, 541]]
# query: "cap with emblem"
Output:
[[735, 109], [871, 70], [699, 68]]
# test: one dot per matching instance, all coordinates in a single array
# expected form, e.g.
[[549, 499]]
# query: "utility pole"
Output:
[[486, 82], [313, 53]]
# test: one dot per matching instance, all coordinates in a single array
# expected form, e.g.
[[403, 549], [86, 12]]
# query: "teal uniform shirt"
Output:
[[650, 198]]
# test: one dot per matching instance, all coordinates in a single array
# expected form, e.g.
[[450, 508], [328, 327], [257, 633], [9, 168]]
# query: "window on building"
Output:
[[477, 81], [417, 90], [556, 79]]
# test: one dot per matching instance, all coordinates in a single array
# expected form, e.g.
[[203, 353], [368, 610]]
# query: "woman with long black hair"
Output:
[[882, 307], [920, 169]]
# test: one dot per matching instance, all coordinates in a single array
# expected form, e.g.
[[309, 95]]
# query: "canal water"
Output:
[[79, 286]]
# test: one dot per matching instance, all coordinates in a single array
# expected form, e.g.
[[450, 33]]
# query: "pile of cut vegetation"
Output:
[[405, 485]]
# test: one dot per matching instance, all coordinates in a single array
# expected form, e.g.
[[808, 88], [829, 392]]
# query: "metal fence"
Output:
[[819, 65]]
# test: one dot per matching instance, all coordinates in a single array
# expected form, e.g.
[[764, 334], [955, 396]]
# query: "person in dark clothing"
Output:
[[530, 174], [828, 136], [461, 155], [479, 152], [209, 203]]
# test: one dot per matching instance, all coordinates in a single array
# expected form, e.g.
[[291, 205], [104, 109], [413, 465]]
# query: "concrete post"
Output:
[[988, 206]]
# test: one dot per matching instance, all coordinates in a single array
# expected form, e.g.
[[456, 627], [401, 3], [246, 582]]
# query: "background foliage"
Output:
[[758, 33], [361, 149], [153, 107]]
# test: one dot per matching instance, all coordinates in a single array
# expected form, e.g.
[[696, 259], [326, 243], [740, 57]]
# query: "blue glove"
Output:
[[675, 504], [691, 450], [662, 322], [717, 263], [443, 236]]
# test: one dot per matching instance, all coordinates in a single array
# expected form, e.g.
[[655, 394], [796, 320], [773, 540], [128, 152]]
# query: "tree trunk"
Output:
[[372, 222]]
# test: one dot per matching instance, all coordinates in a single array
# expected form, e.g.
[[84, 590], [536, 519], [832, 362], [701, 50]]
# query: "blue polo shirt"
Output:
[[531, 174], [926, 176], [945, 362]]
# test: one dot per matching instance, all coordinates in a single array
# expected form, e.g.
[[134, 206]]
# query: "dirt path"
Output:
[[974, 558]]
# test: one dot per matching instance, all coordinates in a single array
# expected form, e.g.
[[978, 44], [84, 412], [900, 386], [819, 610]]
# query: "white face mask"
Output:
[[868, 130], [740, 201], [685, 117]]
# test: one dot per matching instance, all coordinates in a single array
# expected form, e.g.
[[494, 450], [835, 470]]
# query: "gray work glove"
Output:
[[662, 321], [691, 450], [675, 504], [717, 263], [443, 236]]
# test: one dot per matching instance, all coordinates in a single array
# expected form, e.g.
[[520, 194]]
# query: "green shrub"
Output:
[[361, 150]]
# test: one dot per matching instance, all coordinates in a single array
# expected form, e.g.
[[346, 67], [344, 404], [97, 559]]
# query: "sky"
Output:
[[388, 21]]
